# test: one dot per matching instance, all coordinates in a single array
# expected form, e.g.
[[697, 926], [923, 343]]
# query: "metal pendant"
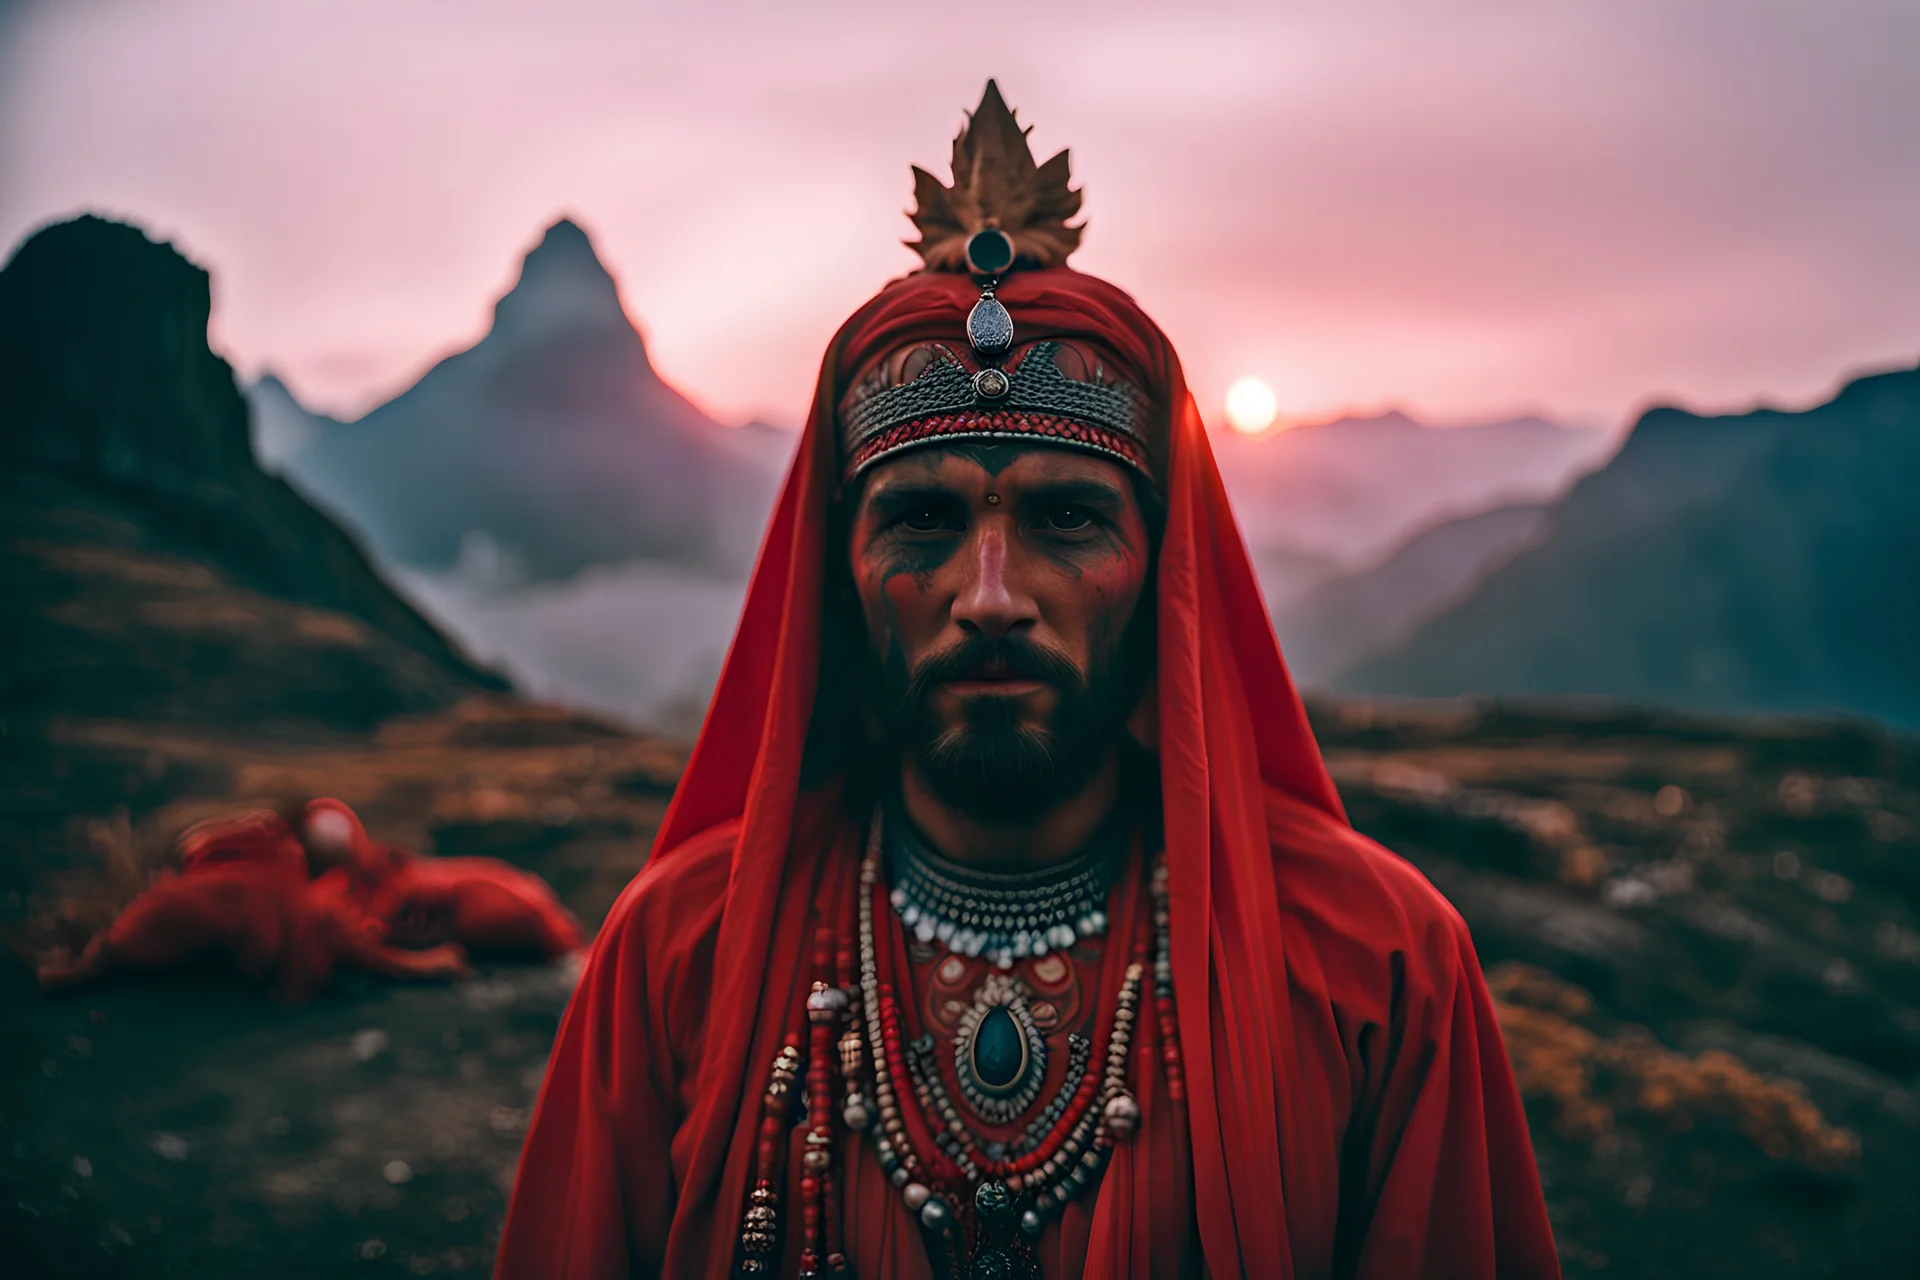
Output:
[[995, 1256], [989, 327], [999, 1053]]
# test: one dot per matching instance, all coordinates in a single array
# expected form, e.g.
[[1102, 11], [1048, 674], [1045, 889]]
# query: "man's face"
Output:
[[1000, 586]]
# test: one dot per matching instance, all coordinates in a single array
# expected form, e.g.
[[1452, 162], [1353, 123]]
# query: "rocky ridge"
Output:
[[1760, 562]]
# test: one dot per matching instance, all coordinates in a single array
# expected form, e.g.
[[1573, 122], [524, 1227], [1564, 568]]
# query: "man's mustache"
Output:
[[978, 657]]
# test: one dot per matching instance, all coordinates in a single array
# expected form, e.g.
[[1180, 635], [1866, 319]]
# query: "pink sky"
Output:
[[1466, 209]]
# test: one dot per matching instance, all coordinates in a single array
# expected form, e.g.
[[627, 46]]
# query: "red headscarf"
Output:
[[1230, 725]]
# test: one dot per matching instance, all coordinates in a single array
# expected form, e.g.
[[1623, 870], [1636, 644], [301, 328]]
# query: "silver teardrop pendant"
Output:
[[989, 327]]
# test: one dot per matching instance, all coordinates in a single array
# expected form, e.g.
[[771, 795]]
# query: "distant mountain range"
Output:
[[549, 446], [1347, 492], [552, 445], [1755, 562], [1767, 561]]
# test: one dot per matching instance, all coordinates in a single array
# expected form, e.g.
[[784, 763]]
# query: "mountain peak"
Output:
[[1390, 419], [564, 239], [563, 285], [104, 367]]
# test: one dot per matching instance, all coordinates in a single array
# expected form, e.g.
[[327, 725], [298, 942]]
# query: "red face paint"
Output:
[[1043, 544]]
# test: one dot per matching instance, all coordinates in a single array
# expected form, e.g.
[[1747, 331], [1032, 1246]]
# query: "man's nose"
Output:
[[992, 603]]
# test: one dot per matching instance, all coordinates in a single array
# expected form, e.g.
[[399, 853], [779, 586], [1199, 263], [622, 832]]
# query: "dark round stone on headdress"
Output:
[[989, 252]]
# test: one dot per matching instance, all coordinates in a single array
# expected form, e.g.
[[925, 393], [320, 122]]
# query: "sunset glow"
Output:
[[1526, 212], [1250, 406]]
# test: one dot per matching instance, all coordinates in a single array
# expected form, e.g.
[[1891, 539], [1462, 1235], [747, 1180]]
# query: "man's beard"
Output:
[[990, 765]]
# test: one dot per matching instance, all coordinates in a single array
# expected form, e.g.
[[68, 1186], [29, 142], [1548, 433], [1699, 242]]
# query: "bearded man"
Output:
[[1006, 922]]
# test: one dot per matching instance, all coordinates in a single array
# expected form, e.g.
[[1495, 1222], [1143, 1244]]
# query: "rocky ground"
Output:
[[190, 1125], [1702, 938]]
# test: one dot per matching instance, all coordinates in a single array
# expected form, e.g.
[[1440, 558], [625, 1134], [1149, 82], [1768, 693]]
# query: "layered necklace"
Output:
[[984, 1202]]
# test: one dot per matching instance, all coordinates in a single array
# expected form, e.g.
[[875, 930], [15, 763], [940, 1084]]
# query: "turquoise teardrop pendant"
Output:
[[1000, 1057], [999, 1052]]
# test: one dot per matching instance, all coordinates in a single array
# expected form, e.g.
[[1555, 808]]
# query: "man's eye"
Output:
[[924, 519], [1068, 519]]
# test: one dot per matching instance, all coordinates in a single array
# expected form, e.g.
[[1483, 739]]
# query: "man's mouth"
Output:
[[1010, 687], [994, 679]]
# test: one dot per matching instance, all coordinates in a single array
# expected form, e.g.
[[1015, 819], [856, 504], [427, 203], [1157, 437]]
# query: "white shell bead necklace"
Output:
[[1003, 917]]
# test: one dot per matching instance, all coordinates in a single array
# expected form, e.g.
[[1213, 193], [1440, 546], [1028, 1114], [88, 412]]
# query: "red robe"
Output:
[[1349, 1108]]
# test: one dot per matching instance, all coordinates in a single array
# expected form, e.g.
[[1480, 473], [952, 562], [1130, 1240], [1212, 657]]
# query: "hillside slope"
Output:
[[149, 571], [1343, 620]]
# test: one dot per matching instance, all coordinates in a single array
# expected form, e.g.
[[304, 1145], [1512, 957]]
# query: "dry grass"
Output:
[[585, 794], [1591, 1080]]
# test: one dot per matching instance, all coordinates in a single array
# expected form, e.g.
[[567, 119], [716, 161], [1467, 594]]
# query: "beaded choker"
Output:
[[1004, 917]]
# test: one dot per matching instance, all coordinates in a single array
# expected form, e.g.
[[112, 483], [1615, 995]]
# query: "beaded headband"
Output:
[[1003, 212]]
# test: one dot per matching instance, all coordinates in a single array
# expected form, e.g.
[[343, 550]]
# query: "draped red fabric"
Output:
[[253, 837], [1267, 881]]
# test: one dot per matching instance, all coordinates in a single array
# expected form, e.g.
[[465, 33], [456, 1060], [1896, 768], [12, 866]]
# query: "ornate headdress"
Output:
[[1003, 213]]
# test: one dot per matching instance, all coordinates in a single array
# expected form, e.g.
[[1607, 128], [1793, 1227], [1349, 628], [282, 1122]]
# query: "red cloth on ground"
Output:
[[239, 891], [252, 837], [262, 914], [1350, 1110], [479, 903]]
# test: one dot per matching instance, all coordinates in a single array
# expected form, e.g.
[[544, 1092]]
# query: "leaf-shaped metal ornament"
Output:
[[996, 186]]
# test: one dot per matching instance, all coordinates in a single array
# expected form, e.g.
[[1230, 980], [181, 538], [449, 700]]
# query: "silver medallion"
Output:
[[989, 327]]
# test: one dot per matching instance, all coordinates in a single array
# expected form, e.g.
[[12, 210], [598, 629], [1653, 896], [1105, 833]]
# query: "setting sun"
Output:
[[1250, 406]]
